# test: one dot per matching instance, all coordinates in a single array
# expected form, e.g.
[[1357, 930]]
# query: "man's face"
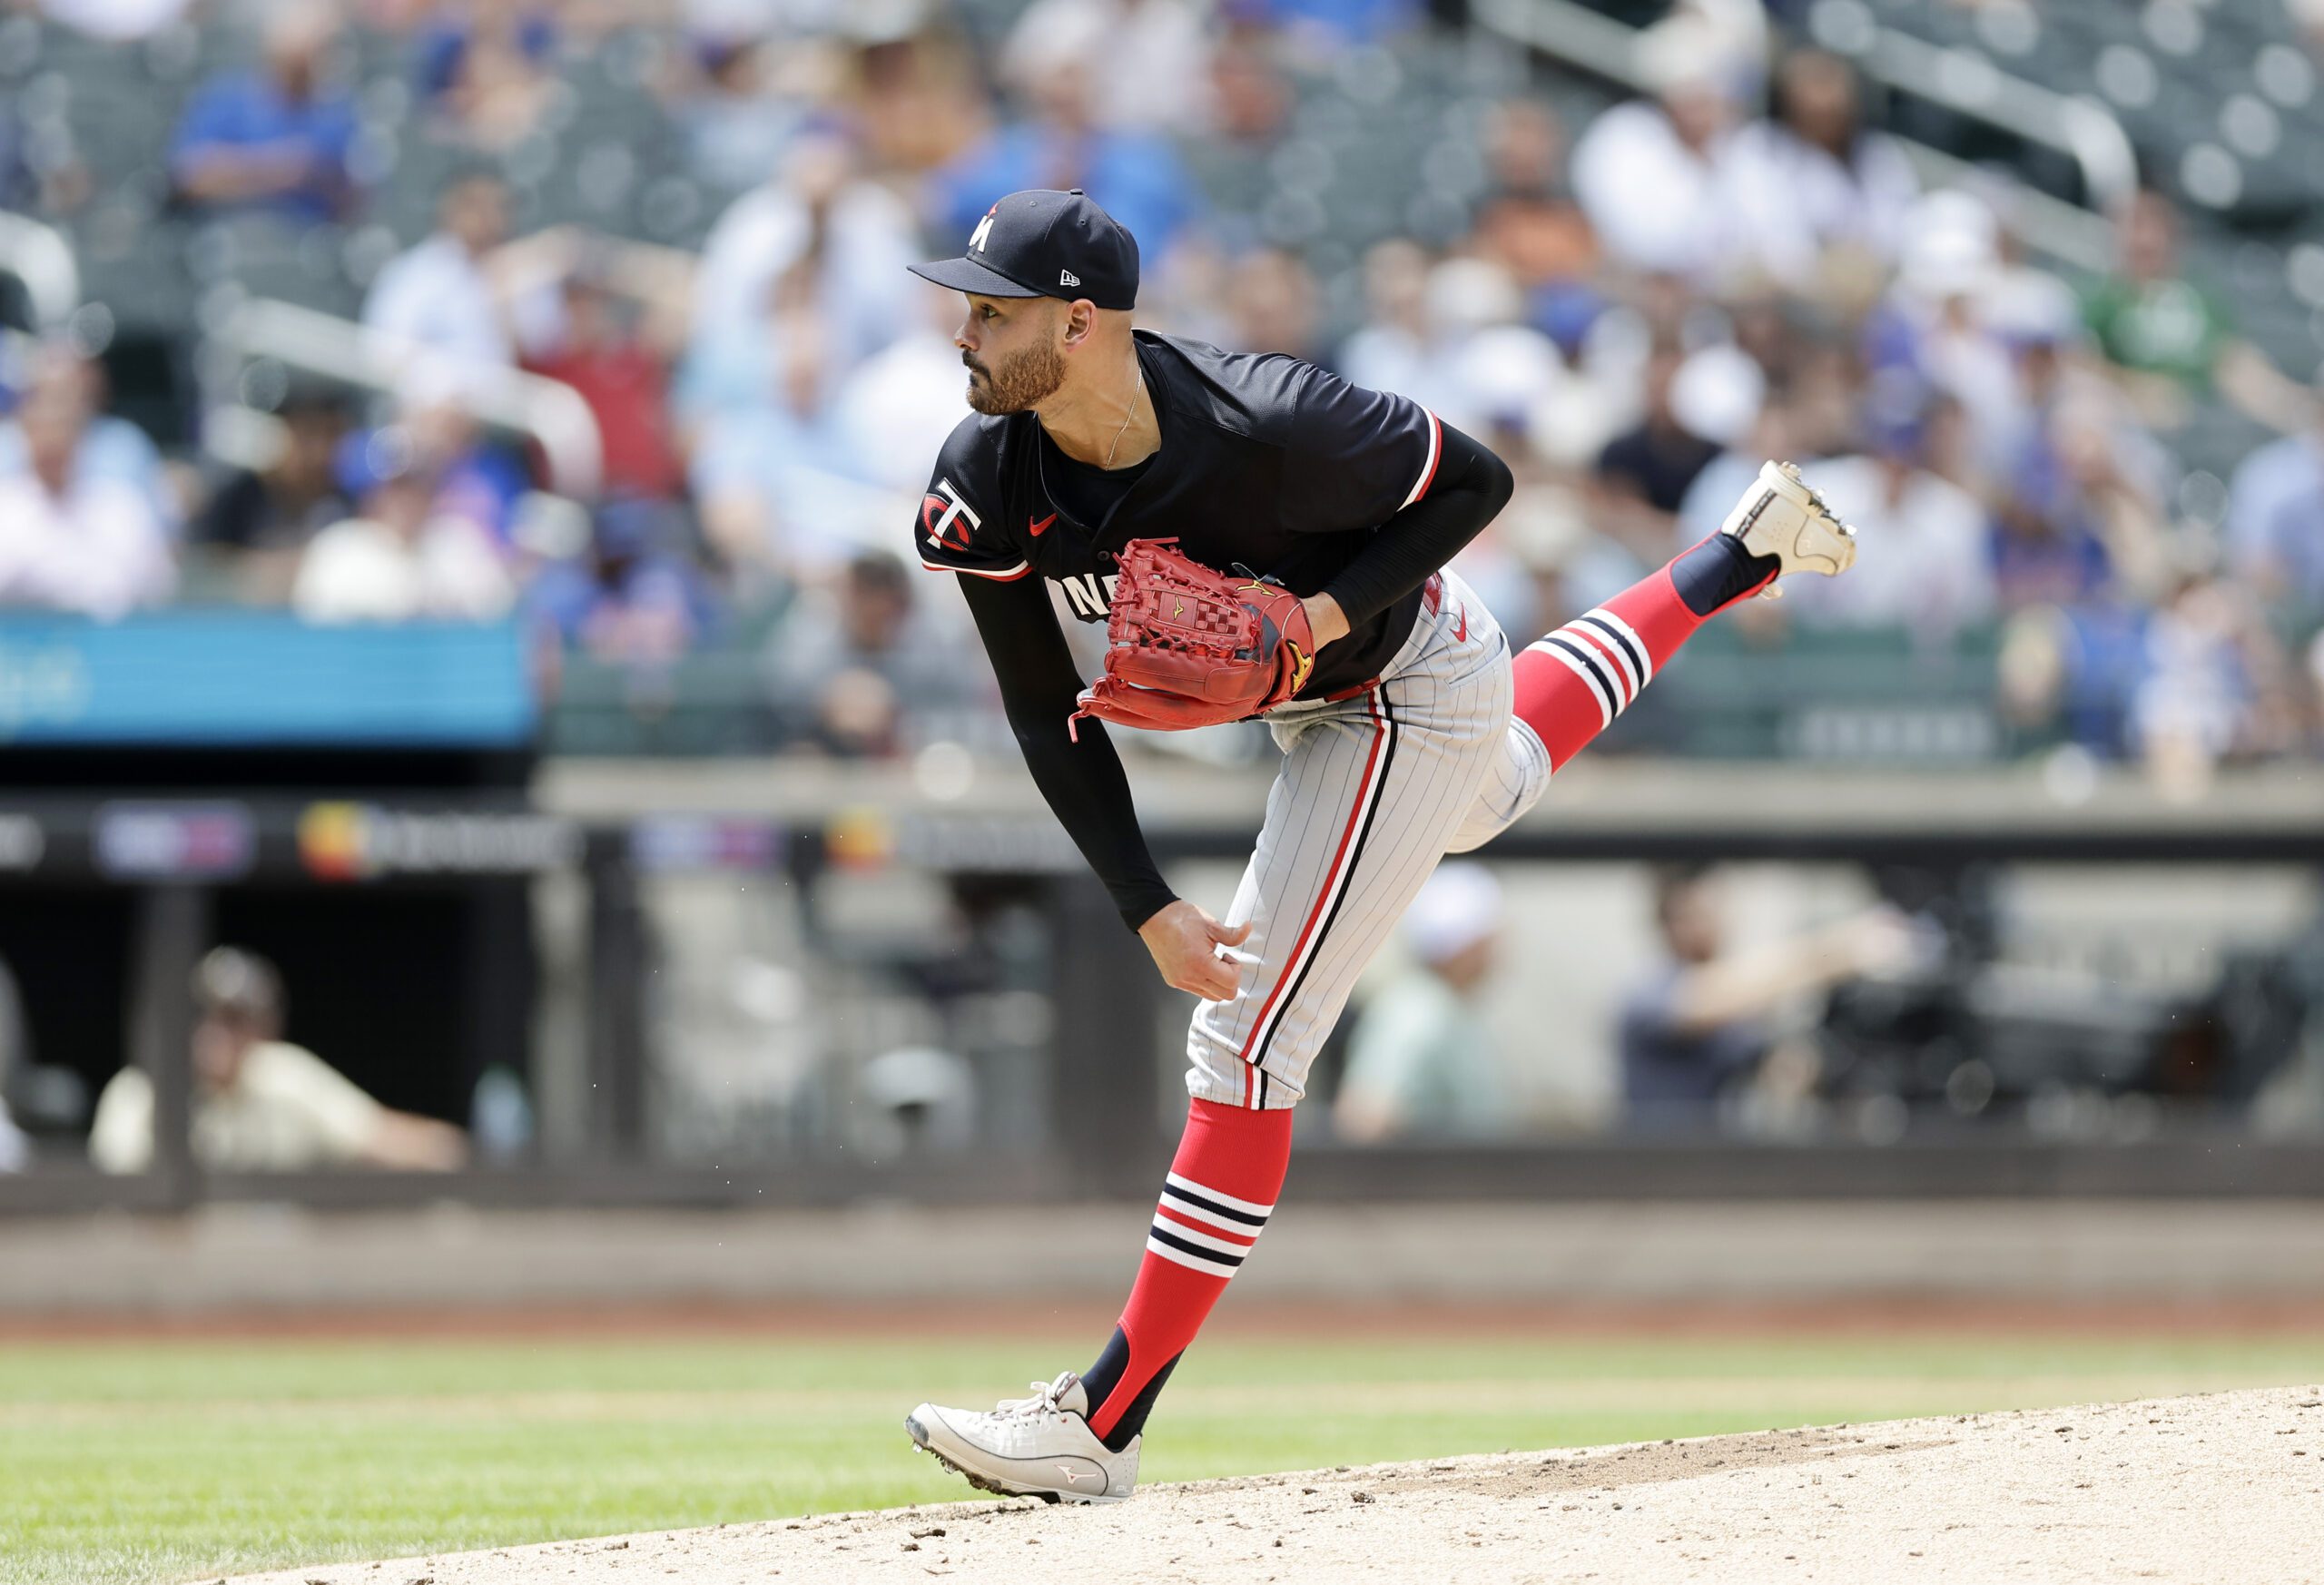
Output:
[[222, 1042], [1010, 346], [1690, 922], [54, 415], [476, 213]]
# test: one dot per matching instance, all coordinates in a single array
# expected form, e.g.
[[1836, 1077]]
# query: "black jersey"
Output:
[[1265, 461]]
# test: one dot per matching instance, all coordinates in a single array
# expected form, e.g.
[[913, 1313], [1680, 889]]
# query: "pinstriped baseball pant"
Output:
[[1374, 790]]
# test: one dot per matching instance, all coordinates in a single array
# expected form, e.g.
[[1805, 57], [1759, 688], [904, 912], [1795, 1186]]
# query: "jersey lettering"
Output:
[[944, 532], [1091, 595]]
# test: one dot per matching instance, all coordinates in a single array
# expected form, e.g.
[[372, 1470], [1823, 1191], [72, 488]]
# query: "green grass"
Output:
[[155, 1461]]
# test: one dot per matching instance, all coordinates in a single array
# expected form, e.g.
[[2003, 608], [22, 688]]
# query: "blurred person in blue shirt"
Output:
[[274, 140], [629, 597], [486, 65], [1136, 176], [2275, 522]]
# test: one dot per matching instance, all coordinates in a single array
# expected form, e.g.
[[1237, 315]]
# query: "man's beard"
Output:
[[1016, 385]]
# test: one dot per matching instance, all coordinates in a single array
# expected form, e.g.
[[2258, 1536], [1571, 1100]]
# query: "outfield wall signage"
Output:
[[361, 841]]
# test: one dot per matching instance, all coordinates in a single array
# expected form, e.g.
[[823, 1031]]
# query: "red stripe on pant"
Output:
[[1366, 791]]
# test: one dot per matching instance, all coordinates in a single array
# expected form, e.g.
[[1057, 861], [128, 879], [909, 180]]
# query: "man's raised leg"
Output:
[[1572, 684]]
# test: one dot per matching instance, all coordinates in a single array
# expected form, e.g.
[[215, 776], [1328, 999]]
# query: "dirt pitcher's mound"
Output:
[[2216, 1489]]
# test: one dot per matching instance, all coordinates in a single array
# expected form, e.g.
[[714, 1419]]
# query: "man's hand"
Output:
[[1185, 941], [1325, 620]]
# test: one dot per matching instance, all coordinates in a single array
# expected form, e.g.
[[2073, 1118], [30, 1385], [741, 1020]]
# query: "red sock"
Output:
[[1222, 1187], [1573, 682]]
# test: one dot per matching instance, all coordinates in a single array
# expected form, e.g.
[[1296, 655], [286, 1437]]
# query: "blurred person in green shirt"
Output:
[[1421, 1061], [2170, 339]]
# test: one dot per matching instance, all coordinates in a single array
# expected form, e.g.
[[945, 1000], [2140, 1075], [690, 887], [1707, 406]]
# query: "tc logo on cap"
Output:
[[984, 230]]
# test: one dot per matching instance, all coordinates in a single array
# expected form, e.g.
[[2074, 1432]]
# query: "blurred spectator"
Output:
[[1456, 345], [1814, 182], [485, 64], [404, 556], [1136, 176], [2171, 337], [274, 140], [855, 667], [111, 448], [1923, 560], [262, 1104], [1696, 1030], [73, 537], [1421, 1059], [1648, 172], [629, 598], [841, 240], [2275, 521], [2215, 685], [265, 516], [1644, 473], [603, 350], [780, 488], [899, 405], [441, 295], [2075, 518], [1148, 60], [1527, 222], [734, 117], [1271, 302]]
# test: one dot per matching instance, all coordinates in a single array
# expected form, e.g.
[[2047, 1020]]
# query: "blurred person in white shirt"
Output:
[[73, 538], [1648, 172], [457, 292], [847, 238], [1469, 358], [1813, 180], [401, 559], [1149, 58], [262, 1104], [1924, 552]]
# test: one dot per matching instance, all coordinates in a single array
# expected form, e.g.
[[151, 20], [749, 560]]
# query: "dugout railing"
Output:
[[613, 828]]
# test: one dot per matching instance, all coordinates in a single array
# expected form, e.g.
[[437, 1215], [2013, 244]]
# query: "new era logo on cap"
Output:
[[1042, 235]]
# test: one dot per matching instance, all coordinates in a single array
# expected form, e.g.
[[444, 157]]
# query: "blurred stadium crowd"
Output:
[[696, 214]]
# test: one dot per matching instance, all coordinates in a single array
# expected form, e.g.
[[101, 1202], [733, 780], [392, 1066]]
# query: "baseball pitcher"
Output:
[[1261, 539]]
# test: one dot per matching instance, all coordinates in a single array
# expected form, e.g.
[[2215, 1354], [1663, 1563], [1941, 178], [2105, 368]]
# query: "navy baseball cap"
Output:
[[1044, 244]]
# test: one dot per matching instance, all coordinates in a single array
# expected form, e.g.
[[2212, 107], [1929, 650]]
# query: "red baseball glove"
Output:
[[1187, 646]]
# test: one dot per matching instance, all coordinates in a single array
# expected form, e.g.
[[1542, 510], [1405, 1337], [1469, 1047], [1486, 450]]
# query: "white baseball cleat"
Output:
[[1039, 1446], [1782, 515]]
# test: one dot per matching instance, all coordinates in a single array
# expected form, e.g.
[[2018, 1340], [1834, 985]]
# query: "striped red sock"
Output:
[[1573, 682], [1221, 1189]]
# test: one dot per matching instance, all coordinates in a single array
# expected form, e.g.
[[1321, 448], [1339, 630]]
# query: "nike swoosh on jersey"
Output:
[[1036, 530]]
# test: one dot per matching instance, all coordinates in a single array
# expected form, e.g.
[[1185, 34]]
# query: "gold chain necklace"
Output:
[[1127, 416]]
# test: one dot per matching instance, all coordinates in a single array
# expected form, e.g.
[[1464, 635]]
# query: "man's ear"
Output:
[[1080, 322]]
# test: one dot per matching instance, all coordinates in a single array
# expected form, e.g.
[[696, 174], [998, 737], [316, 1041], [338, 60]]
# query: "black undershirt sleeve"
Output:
[[1471, 487], [1083, 782]]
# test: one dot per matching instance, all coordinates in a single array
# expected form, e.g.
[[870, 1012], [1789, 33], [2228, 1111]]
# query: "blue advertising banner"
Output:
[[233, 677]]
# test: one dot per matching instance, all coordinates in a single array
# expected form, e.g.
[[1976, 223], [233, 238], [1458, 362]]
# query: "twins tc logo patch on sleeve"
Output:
[[945, 531]]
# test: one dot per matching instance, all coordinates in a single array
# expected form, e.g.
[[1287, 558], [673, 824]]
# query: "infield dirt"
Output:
[[2222, 1488]]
